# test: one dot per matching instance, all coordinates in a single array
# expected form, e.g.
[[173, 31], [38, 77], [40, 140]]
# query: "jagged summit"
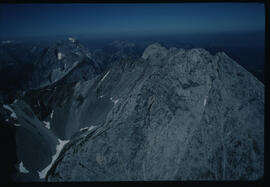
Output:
[[154, 51], [159, 55], [60, 60], [158, 52]]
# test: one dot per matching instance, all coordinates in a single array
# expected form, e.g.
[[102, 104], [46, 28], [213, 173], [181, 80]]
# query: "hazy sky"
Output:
[[56, 19]]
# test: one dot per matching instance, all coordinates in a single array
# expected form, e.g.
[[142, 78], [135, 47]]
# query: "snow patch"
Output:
[[88, 128], [114, 101], [22, 168], [61, 143], [17, 125], [77, 53], [71, 39], [47, 124], [83, 128], [13, 114], [105, 76], [101, 96], [59, 56], [75, 64], [14, 102], [51, 115], [7, 107], [88, 55], [205, 101]]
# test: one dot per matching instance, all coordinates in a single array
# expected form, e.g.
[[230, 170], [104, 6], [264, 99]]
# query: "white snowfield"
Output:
[[13, 114], [15, 101], [114, 101], [22, 169], [47, 124], [59, 56], [89, 128], [71, 39], [51, 115], [42, 174], [105, 76]]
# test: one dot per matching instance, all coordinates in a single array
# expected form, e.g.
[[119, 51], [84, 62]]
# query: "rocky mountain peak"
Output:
[[60, 59], [155, 50]]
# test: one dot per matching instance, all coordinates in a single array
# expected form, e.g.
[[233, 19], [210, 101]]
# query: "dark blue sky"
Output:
[[70, 19]]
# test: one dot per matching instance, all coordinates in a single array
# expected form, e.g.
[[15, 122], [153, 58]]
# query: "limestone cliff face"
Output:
[[173, 114]]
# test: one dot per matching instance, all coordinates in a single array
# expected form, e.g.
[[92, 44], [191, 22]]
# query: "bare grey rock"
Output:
[[173, 114]]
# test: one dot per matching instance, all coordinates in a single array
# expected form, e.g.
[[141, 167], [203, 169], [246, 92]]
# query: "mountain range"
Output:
[[127, 113]]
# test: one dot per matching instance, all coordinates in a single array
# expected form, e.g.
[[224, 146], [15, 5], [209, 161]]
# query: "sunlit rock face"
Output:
[[173, 114]]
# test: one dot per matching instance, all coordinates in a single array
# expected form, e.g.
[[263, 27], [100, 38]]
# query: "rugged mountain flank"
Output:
[[173, 114]]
